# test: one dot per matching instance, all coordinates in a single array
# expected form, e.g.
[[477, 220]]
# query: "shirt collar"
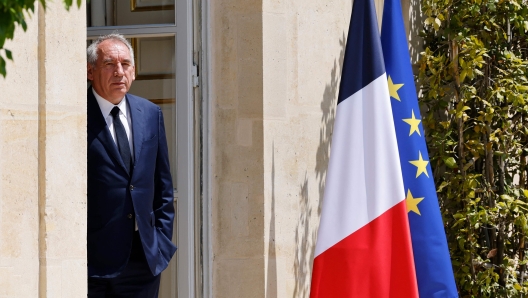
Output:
[[106, 106]]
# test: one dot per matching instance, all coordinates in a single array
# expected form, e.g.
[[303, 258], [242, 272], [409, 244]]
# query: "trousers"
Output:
[[136, 280]]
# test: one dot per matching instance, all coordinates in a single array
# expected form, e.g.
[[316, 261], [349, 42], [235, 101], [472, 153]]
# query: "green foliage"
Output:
[[474, 85], [13, 13]]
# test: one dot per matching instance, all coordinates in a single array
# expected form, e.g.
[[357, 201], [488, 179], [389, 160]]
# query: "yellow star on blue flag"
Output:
[[414, 123], [393, 89], [421, 165], [431, 258], [412, 203]]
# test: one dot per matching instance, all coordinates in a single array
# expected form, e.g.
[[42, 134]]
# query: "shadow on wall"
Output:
[[271, 280], [412, 11], [306, 231]]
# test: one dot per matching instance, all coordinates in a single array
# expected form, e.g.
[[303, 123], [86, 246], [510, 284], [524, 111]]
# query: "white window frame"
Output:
[[206, 140]]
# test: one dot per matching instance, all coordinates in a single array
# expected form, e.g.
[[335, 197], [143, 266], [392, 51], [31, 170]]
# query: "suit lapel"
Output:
[[138, 124], [97, 125]]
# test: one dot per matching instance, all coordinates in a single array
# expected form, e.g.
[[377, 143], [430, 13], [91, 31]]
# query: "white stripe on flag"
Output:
[[364, 177]]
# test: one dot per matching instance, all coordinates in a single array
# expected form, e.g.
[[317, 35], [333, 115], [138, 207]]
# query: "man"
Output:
[[130, 194]]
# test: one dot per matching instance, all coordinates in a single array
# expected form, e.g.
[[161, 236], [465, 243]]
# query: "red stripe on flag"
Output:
[[375, 261]]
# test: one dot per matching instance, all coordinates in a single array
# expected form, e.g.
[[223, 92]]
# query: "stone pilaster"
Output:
[[43, 157]]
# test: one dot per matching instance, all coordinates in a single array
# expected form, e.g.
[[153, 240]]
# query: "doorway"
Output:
[[161, 33]]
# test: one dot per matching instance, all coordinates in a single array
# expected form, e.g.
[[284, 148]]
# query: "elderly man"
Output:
[[130, 194]]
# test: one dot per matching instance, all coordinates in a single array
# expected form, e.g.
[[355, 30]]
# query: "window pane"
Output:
[[131, 12], [155, 81]]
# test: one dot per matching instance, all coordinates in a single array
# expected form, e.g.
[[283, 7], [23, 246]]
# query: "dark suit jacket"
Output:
[[116, 198]]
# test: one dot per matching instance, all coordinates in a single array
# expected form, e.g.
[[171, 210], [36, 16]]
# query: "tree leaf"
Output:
[[2, 67], [450, 162], [9, 55]]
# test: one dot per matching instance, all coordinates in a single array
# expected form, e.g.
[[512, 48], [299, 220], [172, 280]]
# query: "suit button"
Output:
[[129, 216], [131, 187]]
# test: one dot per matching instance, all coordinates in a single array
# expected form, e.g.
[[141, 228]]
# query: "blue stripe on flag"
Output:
[[431, 254], [363, 55]]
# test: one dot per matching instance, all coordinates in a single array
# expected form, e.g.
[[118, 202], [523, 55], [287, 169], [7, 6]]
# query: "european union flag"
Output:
[[431, 254]]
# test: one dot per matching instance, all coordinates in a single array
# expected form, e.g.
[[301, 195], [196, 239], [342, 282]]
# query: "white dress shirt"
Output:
[[124, 115]]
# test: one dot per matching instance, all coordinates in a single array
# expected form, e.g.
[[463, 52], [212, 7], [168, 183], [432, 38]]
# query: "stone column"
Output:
[[43, 157], [19, 223], [62, 151], [237, 156], [275, 75]]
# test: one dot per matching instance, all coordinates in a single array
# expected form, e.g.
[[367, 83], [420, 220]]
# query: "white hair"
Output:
[[91, 51]]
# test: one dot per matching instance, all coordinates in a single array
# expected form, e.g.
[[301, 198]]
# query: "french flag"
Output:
[[364, 244]]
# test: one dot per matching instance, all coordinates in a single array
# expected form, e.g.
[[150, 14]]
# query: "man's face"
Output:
[[114, 71]]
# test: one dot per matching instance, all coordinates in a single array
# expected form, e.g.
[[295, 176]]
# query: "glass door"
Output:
[[160, 32]]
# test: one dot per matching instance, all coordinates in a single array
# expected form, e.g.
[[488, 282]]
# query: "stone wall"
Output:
[[303, 51], [238, 146], [43, 157], [276, 67], [275, 73]]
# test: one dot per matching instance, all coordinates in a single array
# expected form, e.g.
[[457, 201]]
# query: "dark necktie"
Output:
[[121, 139]]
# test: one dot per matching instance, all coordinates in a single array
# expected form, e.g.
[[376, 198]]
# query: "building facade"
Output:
[[248, 89]]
